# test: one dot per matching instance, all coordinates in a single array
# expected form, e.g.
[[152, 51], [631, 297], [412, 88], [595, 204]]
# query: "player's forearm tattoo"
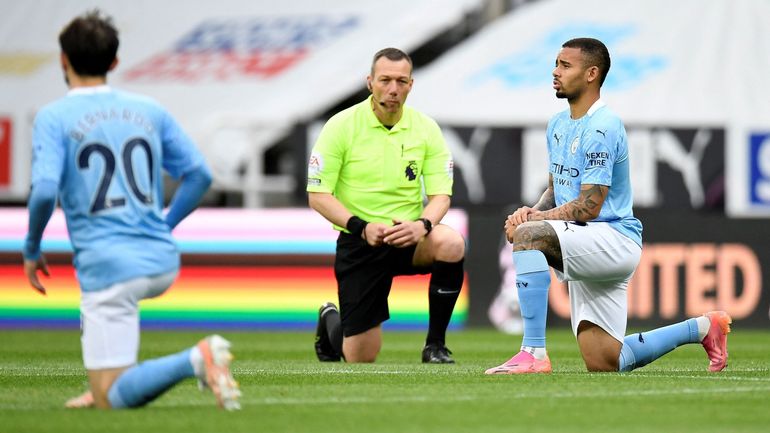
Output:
[[584, 208], [547, 201]]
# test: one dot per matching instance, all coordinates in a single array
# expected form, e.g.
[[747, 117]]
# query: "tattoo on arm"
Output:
[[547, 201], [585, 207]]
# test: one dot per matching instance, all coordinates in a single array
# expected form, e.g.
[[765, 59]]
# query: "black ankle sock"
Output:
[[445, 283], [334, 330]]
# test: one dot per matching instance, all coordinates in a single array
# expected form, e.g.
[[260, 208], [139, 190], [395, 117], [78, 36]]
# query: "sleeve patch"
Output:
[[315, 165]]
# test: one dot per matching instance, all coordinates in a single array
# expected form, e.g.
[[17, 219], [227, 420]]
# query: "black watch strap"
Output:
[[428, 225]]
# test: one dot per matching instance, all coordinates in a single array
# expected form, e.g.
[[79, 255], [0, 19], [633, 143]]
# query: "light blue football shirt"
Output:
[[593, 150], [105, 149]]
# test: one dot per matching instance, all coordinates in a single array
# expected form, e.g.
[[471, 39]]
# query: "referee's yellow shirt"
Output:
[[379, 174]]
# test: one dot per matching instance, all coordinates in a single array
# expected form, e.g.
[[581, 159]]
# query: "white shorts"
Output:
[[598, 263], [109, 320]]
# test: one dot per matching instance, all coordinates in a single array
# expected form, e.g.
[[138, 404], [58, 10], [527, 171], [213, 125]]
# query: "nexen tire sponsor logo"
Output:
[[597, 159]]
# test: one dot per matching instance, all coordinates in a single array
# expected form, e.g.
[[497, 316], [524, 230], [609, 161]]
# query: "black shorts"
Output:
[[364, 277]]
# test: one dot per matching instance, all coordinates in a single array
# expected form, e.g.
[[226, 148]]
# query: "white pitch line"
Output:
[[30, 371], [496, 396], [450, 371], [325, 400], [259, 372], [669, 372], [42, 373], [715, 376]]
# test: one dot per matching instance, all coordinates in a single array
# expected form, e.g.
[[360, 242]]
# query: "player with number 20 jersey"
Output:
[[105, 149]]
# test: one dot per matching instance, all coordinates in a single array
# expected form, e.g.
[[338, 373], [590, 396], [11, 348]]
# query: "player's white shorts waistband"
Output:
[[595, 251]]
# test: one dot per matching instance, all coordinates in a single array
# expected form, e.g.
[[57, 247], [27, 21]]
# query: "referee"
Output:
[[366, 175]]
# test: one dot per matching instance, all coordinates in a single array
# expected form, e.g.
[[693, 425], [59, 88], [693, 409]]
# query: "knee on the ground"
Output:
[[361, 351], [601, 365], [361, 357]]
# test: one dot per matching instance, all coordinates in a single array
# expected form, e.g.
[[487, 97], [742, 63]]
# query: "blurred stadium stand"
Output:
[[242, 79]]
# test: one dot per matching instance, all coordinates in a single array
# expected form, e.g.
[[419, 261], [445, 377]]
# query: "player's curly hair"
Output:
[[595, 53], [90, 43]]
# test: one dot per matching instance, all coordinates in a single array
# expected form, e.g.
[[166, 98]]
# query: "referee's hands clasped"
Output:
[[404, 233]]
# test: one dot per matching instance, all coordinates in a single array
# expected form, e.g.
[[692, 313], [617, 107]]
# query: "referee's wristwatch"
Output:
[[427, 224]]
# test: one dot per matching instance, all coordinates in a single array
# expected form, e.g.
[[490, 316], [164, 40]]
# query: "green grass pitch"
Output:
[[286, 390]]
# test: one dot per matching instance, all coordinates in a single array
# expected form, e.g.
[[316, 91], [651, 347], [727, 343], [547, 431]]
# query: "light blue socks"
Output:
[[643, 348], [532, 281], [144, 382]]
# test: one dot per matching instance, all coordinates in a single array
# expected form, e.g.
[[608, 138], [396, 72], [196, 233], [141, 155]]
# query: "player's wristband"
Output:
[[428, 225], [356, 226]]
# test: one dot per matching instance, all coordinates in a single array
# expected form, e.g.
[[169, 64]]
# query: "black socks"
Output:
[[445, 283]]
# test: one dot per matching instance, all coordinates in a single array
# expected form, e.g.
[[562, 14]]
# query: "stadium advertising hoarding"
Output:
[[242, 269], [748, 169], [672, 168], [680, 102], [5, 152], [697, 262], [692, 262], [759, 161], [271, 269]]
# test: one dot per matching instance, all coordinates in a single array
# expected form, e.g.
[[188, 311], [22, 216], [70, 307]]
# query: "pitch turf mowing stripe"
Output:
[[431, 399], [492, 397], [22, 369], [452, 371]]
